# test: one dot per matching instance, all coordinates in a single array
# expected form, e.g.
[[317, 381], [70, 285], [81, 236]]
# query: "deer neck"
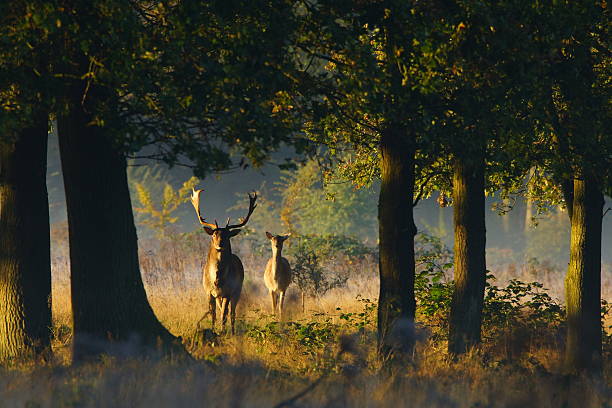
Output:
[[276, 260], [219, 260]]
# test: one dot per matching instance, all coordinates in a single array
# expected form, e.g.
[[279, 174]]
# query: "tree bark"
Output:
[[396, 305], [25, 261], [109, 303], [470, 265], [583, 281]]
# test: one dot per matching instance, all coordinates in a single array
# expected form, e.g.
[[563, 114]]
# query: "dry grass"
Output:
[[268, 362]]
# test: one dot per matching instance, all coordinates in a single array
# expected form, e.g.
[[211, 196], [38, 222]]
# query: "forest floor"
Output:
[[324, 355]]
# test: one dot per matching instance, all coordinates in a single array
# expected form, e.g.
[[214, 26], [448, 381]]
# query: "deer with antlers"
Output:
[[223, 271], [277, 276]]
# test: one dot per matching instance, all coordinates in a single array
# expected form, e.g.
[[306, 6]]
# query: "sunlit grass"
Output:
[[331, 344]]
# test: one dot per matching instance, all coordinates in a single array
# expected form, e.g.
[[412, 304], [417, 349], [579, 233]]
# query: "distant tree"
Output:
[[315, 204], [548, 240], [159, 218]]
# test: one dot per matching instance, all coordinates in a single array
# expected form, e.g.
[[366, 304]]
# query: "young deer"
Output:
[[223, 273], [277, 276]]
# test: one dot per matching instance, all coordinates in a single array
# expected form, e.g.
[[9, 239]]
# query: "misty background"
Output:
[[511, 238]]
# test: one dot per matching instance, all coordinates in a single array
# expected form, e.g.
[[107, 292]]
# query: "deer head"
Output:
[[220, 236], [277, 240]]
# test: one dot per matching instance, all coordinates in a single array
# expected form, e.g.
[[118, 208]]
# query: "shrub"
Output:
[[361, 320], [518, 306], [312, 256], [433, 286]]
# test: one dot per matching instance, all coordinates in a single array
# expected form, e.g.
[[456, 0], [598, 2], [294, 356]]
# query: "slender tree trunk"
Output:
[[529, 207], [396, 305], [109, 303], [25, 261], [528, 217], [506, 218], [583, 280], [470, 267]]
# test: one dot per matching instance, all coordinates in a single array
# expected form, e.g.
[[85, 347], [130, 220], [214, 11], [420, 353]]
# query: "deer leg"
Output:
[[273, 294], [224, 310], [281, 301], [212, 309], [233, 313]]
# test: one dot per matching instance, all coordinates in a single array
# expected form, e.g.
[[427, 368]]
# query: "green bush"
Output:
[[518, 305], [363, 319], [312, 255], [312, 335], [316, 202], [432, 286]]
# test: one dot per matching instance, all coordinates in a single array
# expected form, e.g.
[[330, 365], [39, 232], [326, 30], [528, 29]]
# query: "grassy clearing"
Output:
[[330, 344]]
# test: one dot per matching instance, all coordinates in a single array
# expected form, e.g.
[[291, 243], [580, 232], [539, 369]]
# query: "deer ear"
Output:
[[233, 233], [209, 230], [270, 236], [286, 236]]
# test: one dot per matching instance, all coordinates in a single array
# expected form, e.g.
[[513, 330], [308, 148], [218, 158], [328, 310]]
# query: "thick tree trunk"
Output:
[[109, 303], [583, 280], [25, 261], [470, 267], [396, 305]]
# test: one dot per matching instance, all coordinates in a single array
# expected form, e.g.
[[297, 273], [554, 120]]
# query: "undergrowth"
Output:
[[327, 352]]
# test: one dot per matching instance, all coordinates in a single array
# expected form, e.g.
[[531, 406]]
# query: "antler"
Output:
[[243, 221], [195, 201]]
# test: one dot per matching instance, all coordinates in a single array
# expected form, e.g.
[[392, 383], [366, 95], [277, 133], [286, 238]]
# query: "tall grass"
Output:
[[332, 344]]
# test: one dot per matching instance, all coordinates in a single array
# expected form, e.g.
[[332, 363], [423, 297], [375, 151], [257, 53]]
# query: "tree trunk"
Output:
[[396, 305], [506, 217], [583, 281], [470, 266], [109, 303], [25, 261], [529, 206]]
